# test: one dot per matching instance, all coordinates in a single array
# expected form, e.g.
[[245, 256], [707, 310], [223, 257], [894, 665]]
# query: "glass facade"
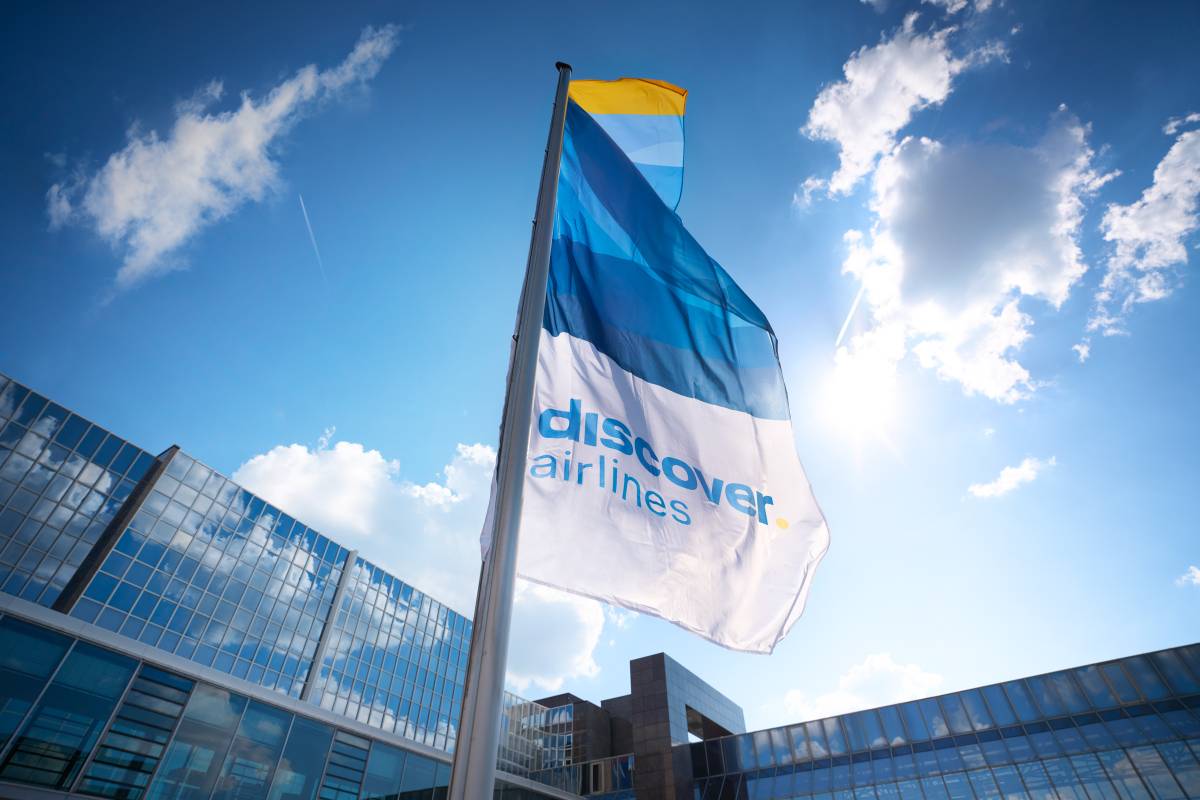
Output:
[[168, 552], [1120, 730], [90, 721], [62, 481], [212, 573], [396, 658]]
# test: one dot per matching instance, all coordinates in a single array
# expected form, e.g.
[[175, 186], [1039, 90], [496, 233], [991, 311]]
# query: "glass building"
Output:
[[1120, 730], [167, 635]]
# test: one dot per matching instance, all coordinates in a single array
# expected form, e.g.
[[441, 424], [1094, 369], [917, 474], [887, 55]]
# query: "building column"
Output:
[[108, 539], [330, 621]]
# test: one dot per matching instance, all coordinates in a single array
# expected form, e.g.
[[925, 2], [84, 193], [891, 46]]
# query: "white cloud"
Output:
[[153, 195], [428, 535], [1149, 236], [1083, 350], [1012, 477], [621, 618], [551, 627], [809, 189], [962, 236], [1189, 578], [955, 6], [1174, 124], [949, 6], [878, 680], [883, 87], [879, 5]]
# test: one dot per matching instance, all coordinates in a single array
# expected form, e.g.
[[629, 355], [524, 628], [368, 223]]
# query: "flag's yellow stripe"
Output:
[[629, 96]]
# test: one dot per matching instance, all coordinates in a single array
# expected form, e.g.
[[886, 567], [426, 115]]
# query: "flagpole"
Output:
[[473, 773]]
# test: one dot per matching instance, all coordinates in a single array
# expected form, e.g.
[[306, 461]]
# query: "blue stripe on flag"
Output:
[[626, 276], [653, 142]]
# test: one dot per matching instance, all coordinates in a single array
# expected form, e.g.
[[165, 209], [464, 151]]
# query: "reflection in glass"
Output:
[[62, 480], [1145, 677], [190, 768], [385, 766], [303, 761], [1120, 683], [914, 722], [27, 657], [209, 572], [130, 750], [251, 760], [64, 727], [1021, 700], [1095, 687], [417, 783]]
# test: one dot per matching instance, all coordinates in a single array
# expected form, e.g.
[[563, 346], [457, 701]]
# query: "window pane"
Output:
[[834, 736], [779, 744], [1011, 786], [1183, 766], [799, 742], [28, 655], [957, 786], [956, 715], [745, 746], [1095, 687], [1062, 775], [976, 709], [1047, 698], [1092, 776], [68, 719], [816, 739], [1036, 781], [983, 784], [764, 757], [893, 728], [875, 737], [347, 763], [1172, 668], [130, 750], [1068, 692], [856, 731], [910, 790], [934, 789], [384, 769], [999, 706], [1022, 703], [914, 722], [251, 760], [190, 768], [1120, 683], [1123, 776], [1155, 773], [1146, 678], [933, 717], [418, 776]]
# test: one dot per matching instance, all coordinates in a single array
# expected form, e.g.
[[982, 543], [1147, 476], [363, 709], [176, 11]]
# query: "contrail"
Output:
[[312, 238], [846, 324]]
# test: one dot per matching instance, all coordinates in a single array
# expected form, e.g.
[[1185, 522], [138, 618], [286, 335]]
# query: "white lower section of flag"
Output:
[[723, 540]]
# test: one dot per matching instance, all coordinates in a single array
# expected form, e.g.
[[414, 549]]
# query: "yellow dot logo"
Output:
[[782, 523]]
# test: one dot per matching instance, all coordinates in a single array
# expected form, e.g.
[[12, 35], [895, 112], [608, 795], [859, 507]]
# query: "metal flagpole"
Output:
[[473, 773]]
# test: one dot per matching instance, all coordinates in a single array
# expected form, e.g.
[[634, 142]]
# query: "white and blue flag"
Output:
[[662, 473]]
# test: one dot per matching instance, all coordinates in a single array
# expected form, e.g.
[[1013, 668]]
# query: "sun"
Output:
[[859, 397]]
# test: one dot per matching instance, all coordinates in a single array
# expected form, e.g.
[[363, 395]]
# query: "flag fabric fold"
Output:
[[662, 473]]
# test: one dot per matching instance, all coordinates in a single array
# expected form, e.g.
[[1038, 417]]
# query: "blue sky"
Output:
[[1003, 164]]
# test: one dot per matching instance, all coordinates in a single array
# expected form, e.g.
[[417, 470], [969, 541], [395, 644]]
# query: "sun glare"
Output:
[[859, 397]]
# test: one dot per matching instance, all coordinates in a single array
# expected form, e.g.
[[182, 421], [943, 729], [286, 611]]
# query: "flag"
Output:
[[661, 472]]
